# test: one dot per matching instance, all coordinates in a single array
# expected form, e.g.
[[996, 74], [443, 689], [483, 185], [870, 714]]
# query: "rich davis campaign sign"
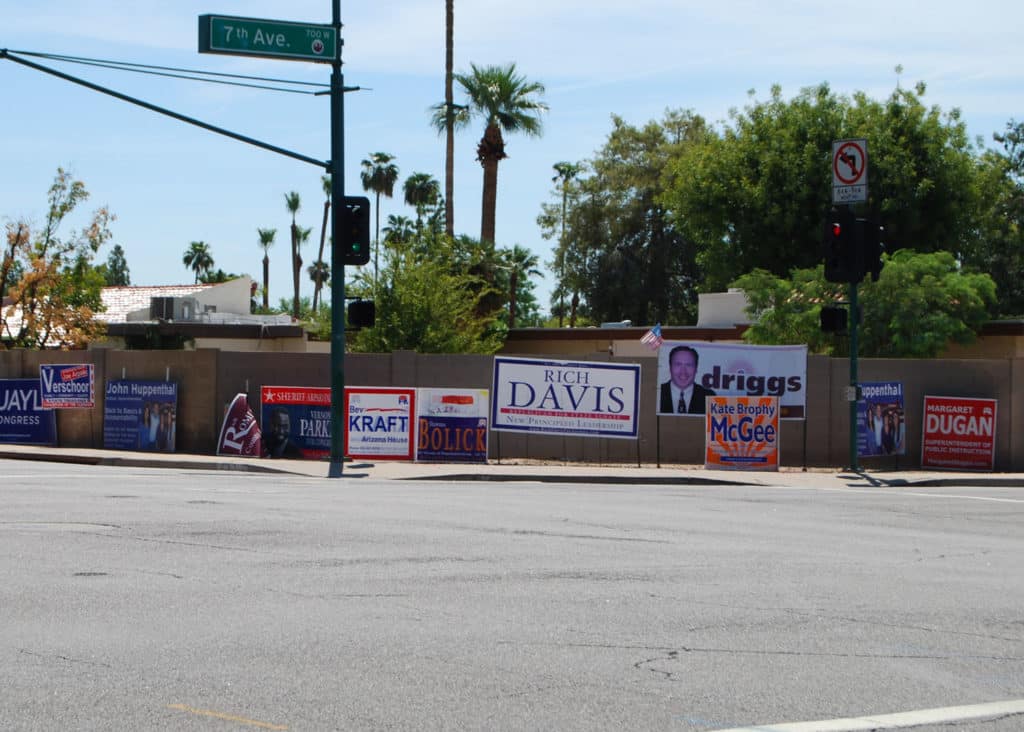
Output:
[[67, 386], [565, 397], [379, 422], [23, 419]]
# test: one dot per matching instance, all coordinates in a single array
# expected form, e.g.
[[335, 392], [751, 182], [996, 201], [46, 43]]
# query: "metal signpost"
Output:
[[319, 43]]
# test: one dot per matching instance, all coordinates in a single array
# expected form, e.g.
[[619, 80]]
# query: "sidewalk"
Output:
[[511, 470]]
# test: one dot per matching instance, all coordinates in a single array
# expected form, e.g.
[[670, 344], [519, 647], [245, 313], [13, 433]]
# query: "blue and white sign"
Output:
[[67, 386], [23, 418], [565, 397], [140, 415]]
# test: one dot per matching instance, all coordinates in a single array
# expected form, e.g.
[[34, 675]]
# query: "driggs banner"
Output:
[[140, 415], [881, 422], [742, 433], [240, 434], [67, 386], [23, 419], [958, 433], [296, 421], [379, 422], [451, 425], [565, 397], [691, 372]]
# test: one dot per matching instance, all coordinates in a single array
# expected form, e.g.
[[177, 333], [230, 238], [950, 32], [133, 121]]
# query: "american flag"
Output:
[[653, 338]]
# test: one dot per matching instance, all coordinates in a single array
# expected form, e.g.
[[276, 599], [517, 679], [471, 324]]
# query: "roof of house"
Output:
[[120, 301]]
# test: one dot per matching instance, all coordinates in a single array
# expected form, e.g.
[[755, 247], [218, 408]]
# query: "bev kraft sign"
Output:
[[565, 397], [67, 386], [23, 418], [959, 433], [379, 422], [451, 425], [742, 433]]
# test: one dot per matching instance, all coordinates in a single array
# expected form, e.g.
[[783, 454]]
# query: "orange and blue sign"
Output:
[[742, 433]]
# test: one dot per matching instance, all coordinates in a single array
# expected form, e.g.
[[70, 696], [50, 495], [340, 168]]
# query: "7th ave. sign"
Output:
[[268, 38]]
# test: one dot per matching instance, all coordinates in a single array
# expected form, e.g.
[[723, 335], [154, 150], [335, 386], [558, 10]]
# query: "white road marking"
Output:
[[942, 715]]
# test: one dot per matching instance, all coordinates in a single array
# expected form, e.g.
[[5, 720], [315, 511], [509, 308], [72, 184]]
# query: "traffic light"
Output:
[[355, 229], [362, 313], [873, 248], [833, 319], [839, 247]]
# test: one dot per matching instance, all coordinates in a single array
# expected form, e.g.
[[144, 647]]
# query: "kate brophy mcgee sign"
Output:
[[565, 397]]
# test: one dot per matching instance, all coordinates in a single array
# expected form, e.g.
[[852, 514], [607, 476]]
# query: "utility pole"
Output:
[[337, 170]]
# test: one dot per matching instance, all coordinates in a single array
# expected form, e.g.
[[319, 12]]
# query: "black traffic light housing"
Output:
[[839, 246], [362, 313], [873, 248], [833, 319], [355, 229]]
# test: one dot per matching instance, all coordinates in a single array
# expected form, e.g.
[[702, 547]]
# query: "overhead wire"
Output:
[[173, 72]]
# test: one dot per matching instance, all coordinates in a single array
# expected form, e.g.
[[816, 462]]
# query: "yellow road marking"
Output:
[[228, 717]]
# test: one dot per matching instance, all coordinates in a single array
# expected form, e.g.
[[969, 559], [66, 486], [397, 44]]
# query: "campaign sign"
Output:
[[565, 397], [140, 415], [296, 421], [23, 419], [451, 425], [742, 433], [240, 434], [958, 433], [881, 423], [379, 422], [67, 386], [690, 372]]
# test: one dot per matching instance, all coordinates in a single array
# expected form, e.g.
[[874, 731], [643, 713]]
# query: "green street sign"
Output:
[[268, 38]]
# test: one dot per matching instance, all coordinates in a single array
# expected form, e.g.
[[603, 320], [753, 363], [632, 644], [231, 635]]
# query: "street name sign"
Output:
[[268, 38], [850, 171]]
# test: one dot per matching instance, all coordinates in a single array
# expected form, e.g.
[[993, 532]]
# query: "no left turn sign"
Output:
[[850, 171]]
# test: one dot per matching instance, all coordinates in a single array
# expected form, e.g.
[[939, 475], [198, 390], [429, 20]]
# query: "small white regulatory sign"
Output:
[[850, 171]]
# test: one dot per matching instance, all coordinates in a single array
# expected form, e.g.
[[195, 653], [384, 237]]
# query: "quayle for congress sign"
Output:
[[565, 397], [22, 415]]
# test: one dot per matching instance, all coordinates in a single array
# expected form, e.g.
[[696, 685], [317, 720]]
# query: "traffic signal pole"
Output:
[[853, 392], [337, 171]]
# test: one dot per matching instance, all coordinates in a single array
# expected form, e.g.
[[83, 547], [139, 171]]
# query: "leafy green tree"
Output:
[[508, 103], [116, 272], [198, 258], [628, 257], [266, 241], [293, 203], [50, 286], [521, 266], [755, 195], [920, 303], [379, 175], [423, 306]]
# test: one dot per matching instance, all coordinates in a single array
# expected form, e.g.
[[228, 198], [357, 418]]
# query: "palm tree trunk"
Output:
[[489, 152], [266, 283], [296, 268], [320, 256], [449, 157]]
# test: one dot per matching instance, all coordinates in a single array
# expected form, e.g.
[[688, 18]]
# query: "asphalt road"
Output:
[[135, 598]]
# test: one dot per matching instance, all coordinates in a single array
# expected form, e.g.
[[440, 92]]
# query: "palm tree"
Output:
[[379, 175], [564, 172], [266, 241], [320, 274], [508, 103], [293, 204], [421, 191], [326, 181], [400, 229], [521, 262], [198, 258]]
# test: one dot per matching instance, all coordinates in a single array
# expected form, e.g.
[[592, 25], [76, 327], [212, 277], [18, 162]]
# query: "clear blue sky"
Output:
[[170, 184]]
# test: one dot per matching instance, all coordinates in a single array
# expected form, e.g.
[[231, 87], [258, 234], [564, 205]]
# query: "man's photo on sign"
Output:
[[680, 393]]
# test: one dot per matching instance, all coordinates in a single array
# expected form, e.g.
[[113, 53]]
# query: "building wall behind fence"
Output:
[[209, 379]]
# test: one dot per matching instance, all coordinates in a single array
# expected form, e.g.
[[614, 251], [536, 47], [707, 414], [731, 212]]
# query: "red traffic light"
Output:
[[837, 229]]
